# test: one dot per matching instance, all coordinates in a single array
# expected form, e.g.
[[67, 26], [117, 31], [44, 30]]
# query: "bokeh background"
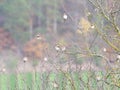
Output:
[[41, 33]]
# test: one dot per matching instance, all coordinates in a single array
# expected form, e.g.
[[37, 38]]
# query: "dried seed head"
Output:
[[92, 26], [118, 57], [55, 85], [57, 48], [25, 59], [88, 14], [63, 48], [98, 78], [3, 70], [38, 37], [65, 16], [104, 49], [45, 59]]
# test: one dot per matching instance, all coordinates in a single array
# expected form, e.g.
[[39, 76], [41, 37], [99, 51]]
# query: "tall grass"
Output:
[[56, 81]]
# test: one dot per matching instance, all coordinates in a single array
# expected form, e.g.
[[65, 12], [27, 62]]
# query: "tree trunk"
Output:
[[31, 28], [55, 25], [55, 19]]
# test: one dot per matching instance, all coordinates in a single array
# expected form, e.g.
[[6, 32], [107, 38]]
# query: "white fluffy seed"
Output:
[[63, 48], [92, 26], [57, 48], [45, 59], [118, 57], [98, 78], [25, 59], [88, 13], [55, 85], [3, 70], [65, 16], [104, 49]]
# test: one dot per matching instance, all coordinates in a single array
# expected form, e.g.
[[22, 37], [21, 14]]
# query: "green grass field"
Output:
[[53, 81]]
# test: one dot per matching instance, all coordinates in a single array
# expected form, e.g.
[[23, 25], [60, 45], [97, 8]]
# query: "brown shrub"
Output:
[[35, 48], [6, 41]]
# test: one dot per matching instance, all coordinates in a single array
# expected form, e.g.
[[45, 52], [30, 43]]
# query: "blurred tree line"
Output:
[[24, 19]]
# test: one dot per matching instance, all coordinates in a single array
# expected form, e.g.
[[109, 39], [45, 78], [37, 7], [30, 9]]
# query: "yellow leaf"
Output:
[[62, 42], [85, 24]]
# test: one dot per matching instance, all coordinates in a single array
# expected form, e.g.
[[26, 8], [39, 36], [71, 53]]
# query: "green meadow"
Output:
[[56, 81]]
